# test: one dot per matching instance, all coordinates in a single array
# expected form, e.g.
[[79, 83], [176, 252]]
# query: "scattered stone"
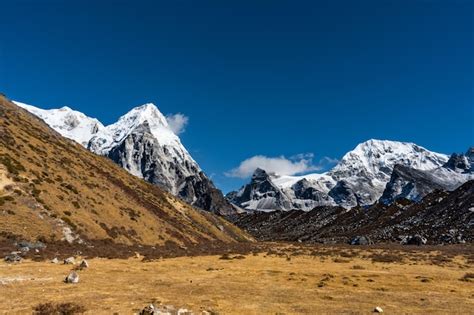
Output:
[[73, 277], [164, 310], [360, 240], [84, 264], [69, 261], [148, 310], [24, 249], [13, 258], [55, 261], [378, 309], [31, 245]]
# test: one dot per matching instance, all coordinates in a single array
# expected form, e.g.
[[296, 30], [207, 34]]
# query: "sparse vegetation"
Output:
[[468, 277], [13, 167], [58, 309], [387, 258]]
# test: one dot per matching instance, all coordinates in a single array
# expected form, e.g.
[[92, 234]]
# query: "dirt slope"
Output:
[[53, 189]]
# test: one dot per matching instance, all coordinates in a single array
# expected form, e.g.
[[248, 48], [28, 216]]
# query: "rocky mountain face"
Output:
[[441, 217], [359, 179], [142, 142], [409, 183], [53, 189]]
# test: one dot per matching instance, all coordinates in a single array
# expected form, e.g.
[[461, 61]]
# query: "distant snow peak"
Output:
[[359, 178]]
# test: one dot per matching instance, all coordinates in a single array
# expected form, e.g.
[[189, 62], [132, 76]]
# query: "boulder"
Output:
[[73, 277], [148, 310], [13, 258], [69, 261], [378, 309], [31, 245], [164, 310], [360, 240], [414, 240], [84, 264], [55, 261]]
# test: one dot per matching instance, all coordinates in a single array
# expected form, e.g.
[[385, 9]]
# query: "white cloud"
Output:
[[297, 164], [177, 122]]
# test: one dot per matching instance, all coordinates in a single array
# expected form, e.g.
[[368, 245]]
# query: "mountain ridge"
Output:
[[142, 142]]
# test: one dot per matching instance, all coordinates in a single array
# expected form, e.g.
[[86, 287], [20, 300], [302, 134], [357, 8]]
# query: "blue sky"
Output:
[[303, 80]]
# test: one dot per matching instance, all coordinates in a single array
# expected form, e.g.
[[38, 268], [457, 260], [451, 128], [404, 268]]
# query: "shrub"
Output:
[[13, 166], [69, 222], [5, 199], [468, 277], [386, 258], [58, 309], [70, 187]]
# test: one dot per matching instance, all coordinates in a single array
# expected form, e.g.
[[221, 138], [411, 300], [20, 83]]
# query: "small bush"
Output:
[[68, 213], [13, 166], [69, 222], [225, 257], [5, 199], [58, 309], [468, 277], [76, 204], [70, 187], [386, 258]]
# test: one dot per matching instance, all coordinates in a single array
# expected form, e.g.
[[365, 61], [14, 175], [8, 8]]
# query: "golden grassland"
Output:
[[283, 280]]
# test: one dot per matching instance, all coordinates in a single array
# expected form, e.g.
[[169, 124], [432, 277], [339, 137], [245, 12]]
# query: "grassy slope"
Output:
[[49, 185]]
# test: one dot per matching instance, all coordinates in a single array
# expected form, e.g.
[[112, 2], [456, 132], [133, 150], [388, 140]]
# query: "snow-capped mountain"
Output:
[[142, 142], [359, 178]]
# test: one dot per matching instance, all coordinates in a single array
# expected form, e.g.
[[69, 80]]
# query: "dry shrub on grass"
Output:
[[58, 309], [386, 258], [468, 277]]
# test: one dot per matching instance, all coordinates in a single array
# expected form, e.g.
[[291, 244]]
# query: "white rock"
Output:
[[73, 277], [378, 309], [69, 261], [54, 261]]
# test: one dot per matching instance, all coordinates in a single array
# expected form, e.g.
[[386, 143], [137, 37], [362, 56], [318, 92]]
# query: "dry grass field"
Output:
[[281, 279]]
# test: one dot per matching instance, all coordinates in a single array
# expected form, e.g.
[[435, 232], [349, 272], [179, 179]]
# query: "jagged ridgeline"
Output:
[[53, 188]]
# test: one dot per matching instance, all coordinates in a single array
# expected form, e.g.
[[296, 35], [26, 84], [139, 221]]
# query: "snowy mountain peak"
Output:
[[144, 113], [378, 157], [69, 123]]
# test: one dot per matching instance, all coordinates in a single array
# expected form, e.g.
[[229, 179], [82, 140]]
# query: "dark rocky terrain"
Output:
[[440, 218]]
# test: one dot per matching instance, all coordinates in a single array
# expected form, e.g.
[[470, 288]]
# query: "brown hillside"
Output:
[[54, 189]]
